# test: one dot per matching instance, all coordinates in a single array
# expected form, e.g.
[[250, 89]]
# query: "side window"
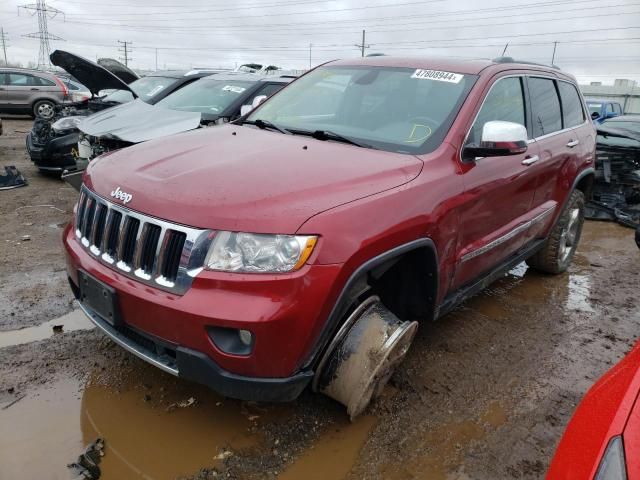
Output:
[[609, 108], [44, 82], [545, 105], [20, 80], [572, 110], [617, 108], [4, 78], [505, 102]]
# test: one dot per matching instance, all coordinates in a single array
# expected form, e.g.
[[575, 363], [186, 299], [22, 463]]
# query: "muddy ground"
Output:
[[485, 393]]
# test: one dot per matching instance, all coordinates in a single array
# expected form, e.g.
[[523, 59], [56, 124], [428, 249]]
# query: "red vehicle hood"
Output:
[[245, 179], [607, 410]]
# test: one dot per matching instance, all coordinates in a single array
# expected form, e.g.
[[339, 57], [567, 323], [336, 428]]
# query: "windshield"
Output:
[[206, 96], [623, 124], [146, 89], [594, 108], [396, 109]]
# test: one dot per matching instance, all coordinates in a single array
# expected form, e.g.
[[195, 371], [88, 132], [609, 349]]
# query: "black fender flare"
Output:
[[332, 323]]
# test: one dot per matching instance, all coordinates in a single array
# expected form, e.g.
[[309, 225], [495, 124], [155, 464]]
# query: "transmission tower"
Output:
[[3, 40], [44, 13], [125, 49]]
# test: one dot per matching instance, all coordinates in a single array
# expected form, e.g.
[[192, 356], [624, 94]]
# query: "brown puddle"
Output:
[[333, 455], [155, 427], [75, 320], [147, 433]]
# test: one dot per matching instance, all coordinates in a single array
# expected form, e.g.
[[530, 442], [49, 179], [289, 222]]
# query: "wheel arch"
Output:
[[413, 265], [584, 182]]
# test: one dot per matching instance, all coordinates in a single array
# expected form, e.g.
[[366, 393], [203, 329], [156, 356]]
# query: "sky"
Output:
[[597, 40]]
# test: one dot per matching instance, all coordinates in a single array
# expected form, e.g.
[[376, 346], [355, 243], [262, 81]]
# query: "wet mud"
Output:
[[484, 393]]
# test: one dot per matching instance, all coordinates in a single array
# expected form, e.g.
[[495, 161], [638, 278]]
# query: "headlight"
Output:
[[67, 123], [258, 253], [612, 466]]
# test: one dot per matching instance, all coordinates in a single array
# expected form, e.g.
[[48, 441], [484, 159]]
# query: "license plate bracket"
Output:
[[99, 297]]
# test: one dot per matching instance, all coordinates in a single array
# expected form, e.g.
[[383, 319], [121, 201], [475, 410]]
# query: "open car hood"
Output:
[[92, 75], [138, 121], [120, 70]]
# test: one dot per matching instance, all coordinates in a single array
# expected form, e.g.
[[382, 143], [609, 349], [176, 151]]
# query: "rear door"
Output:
[[499, 190], [557, 113], [20, 88], [3, 90]]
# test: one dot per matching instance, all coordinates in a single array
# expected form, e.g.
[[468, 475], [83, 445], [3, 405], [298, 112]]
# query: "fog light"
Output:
[[245, 337], [232, 340]]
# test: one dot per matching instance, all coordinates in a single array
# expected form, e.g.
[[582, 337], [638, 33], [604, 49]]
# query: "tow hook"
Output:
[[363, 355]]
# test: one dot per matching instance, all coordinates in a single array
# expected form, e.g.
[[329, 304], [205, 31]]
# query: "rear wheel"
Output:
[[558, 251], [44, 109]]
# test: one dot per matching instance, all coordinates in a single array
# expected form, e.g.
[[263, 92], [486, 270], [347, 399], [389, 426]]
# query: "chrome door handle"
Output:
[[530, 160], [573, 143]]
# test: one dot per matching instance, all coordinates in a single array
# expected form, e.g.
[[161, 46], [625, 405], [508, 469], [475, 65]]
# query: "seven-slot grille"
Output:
[[156, 252]]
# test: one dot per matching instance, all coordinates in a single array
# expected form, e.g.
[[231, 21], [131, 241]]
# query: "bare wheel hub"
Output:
[[363, 355]]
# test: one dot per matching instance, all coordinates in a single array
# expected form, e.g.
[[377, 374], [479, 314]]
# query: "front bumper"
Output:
[[56, 154], [285, 313], [195, 366]]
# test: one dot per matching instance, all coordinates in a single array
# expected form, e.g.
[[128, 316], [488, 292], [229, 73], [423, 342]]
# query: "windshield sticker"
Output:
[[437, 75], [233, 88], [155, 90]]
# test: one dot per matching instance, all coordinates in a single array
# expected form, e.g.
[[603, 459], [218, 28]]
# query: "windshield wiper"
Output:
[[265, 124], [330, 135]]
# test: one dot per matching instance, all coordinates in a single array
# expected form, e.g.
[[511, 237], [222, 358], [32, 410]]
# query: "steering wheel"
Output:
[[423, 128]]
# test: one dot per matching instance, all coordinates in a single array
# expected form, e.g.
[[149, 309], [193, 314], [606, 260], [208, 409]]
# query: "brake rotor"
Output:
[[363, 355]]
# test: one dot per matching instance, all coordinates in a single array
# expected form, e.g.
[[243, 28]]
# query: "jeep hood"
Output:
[[92, 75], [245, 179], [138, 121]]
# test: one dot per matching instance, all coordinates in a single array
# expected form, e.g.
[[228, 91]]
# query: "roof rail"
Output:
[[513, 60]]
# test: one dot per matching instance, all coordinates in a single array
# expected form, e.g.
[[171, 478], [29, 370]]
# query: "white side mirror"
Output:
[[497, 131], [245, 109], [258, 100]]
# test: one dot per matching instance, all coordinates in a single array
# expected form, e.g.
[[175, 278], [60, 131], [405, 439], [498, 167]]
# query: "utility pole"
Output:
[[44, 13], [310, 45], [553, 57], [125, 49], [362, 45], [3, 39]]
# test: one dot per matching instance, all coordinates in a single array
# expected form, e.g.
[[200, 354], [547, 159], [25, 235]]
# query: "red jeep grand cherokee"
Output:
[[305, 244]]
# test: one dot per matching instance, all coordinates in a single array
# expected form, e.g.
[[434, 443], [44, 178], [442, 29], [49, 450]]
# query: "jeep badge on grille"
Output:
[[120, 195]]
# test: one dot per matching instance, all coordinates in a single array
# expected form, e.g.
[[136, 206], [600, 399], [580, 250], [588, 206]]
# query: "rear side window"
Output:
[[609, 108], [545, 105], [267, 90], [572, 111], [617, 109], [503, 102], [44, 82]]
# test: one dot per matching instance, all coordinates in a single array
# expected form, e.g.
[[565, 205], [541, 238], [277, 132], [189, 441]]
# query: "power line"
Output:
[[473, 11], [40, 8], [404, 29], [125, 49]]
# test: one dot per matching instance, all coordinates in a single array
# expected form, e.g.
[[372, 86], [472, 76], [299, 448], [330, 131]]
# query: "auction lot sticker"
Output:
[[437, 75]]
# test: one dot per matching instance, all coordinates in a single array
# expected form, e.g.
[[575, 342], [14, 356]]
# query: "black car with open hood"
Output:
[[51, 144], [106, 74]]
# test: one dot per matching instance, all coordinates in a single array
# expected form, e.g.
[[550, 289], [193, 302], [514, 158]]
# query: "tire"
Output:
[[44, 109], [558, 251]]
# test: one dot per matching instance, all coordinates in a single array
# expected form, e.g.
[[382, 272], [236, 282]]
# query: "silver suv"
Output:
[[30, 91]]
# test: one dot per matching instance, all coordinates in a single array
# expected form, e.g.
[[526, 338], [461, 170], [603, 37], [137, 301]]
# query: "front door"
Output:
[[499, 191]]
